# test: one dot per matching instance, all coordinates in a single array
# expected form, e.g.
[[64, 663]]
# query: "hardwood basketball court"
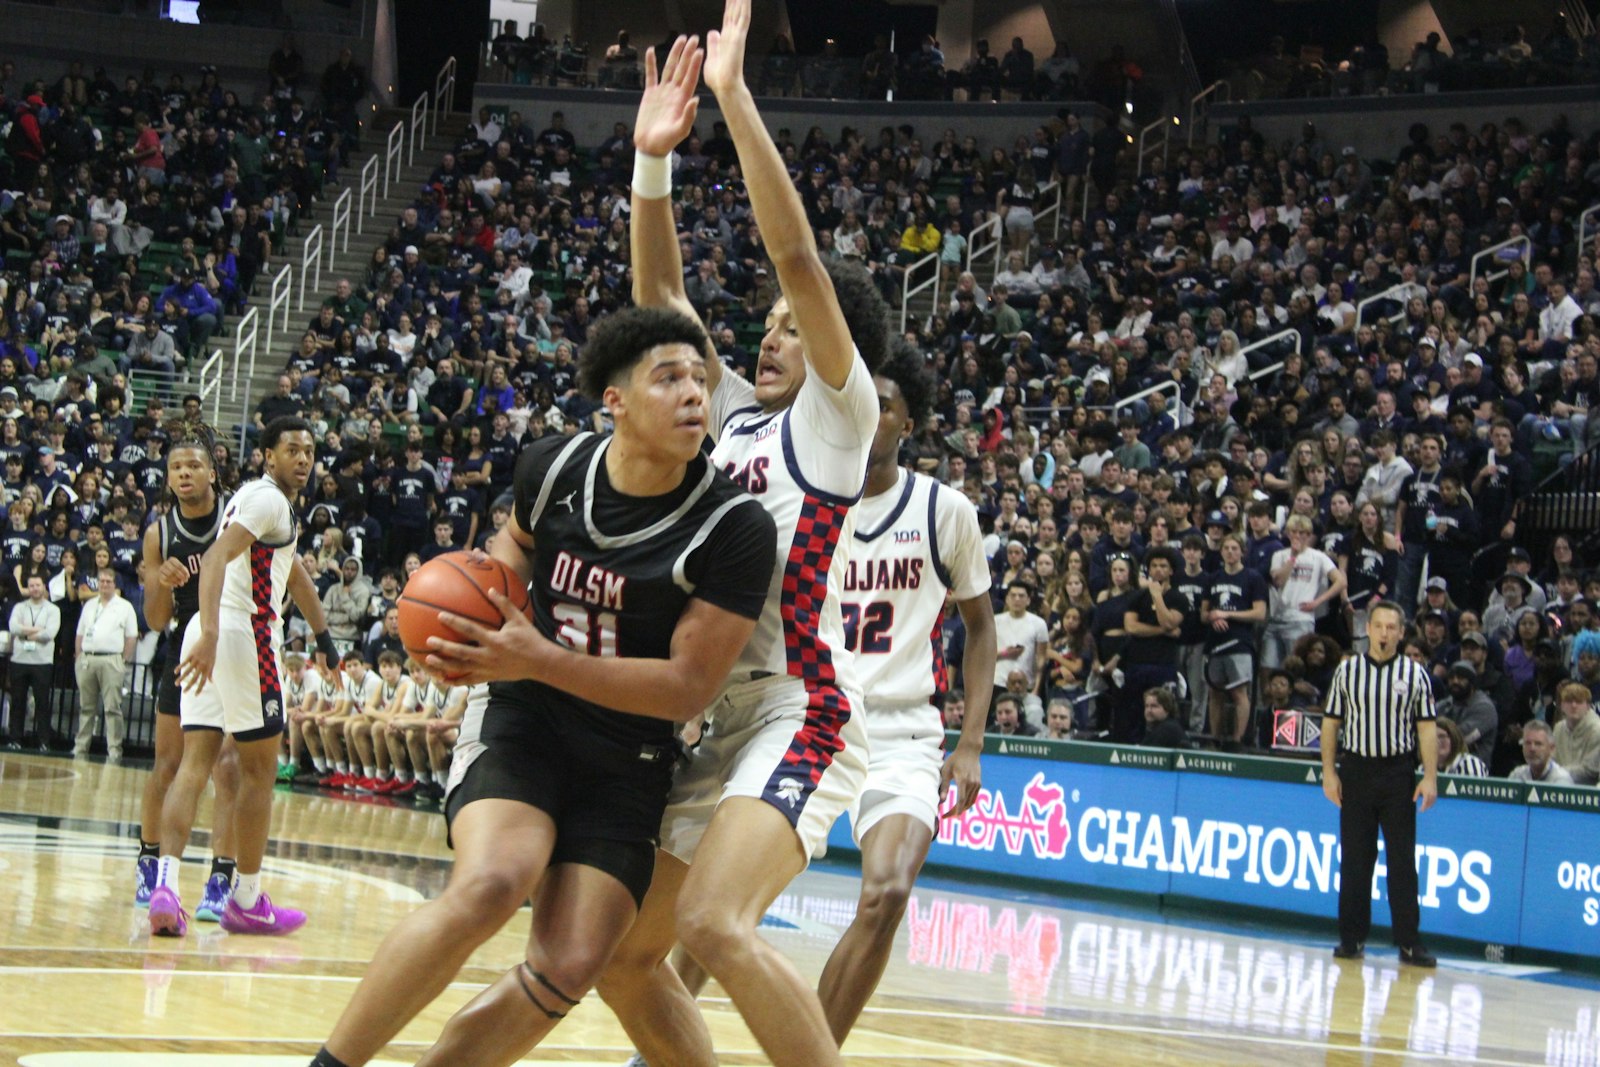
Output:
[[979, 976]]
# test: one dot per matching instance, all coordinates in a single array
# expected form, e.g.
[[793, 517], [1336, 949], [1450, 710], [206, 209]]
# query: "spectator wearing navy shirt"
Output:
[[462, 505], [411, 492]]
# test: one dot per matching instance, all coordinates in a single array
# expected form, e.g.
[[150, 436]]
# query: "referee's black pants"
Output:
[[1378, 794]]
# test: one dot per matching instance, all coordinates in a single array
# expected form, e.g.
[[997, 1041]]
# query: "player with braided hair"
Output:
[[173, 544]]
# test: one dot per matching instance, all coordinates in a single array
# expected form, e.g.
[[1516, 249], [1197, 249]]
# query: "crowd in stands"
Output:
[[1227, 529], [1507, 58], [1194, 467], [920, 73], [135, 217], [1504, 58]]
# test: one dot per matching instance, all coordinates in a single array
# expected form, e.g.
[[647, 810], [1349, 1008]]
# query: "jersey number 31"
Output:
[[590, 632]]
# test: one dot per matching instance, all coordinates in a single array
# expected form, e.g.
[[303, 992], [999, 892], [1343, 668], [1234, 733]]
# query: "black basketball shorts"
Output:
[[606, 799]]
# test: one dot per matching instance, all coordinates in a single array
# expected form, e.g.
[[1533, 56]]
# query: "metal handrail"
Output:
[[310, 254], [282, 290], [1567, 501], [1220, 89], [1086, 184], [419, 127], [369, 183], [340, 222], [211, 385], [1583, 227], [1180, 411], [391, 156], [907, 290], [244, 341], [1579, 22], [1165, 143], [992, 223], [1527, 258], [1402, 290], [1299, 348], [444, 91], [1052, 209]]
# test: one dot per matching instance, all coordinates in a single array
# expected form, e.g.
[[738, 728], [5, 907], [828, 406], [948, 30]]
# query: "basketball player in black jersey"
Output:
[[171, 561], [649, 568]]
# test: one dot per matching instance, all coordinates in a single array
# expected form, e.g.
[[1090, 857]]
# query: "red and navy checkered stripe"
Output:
[[267, 670], [811, 752], [805, 590], [261, 622], [261, 581], [940, 674]]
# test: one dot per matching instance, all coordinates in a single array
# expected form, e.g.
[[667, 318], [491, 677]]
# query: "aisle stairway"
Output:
[[235, 405]]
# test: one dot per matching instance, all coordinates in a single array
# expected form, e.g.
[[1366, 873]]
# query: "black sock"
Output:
[[223, 865], [148, 849], [324, 1058]]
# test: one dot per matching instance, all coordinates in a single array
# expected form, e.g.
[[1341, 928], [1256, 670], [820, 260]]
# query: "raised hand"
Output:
[[668, 107], [724, 64]]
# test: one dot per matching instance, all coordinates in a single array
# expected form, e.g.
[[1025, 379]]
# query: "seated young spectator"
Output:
[[1577, 735]]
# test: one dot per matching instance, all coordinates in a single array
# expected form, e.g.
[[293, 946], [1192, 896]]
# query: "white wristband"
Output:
[[652, 176]]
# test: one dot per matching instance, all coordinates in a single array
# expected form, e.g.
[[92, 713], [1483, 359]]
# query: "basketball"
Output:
[[456, 582]]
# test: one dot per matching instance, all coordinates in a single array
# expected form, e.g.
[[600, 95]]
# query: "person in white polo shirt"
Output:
[[107, 631]]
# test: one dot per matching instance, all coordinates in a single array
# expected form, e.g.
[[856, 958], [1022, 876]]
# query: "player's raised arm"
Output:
[[777, 206], [667, 111]]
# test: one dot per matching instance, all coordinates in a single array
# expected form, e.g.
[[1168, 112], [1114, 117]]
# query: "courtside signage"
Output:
[[1260, 832]]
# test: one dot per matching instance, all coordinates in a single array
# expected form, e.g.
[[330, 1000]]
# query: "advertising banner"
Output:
[[1561, 887], [1061, 821], [1276, 845], [1259, 832]]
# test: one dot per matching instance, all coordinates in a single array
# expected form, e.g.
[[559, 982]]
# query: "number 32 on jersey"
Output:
[[867, 627]]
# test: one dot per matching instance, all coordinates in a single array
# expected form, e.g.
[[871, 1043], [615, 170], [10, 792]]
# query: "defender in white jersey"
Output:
[[914, 540], [231, 676], [783, 753]]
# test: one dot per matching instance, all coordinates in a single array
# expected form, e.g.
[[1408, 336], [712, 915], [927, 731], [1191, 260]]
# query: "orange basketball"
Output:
[[455, 582]]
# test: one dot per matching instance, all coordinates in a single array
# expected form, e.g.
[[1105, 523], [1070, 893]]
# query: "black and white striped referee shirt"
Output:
[[1380, 704]]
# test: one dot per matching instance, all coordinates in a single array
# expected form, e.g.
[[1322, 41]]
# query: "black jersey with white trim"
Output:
[[187, 540], [613, 573]]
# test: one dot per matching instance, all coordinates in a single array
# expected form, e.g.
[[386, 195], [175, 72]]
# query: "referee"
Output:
[[1383, 703]]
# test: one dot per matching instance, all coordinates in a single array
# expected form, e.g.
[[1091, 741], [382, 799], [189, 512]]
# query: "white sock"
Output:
[[320, 764], [369, 772], [284, 761], [424, 777], [167, 872], [405, 776], [342, 767], [247, 889]]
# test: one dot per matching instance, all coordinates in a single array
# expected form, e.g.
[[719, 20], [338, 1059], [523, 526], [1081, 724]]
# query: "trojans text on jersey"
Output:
[[878, 575]]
